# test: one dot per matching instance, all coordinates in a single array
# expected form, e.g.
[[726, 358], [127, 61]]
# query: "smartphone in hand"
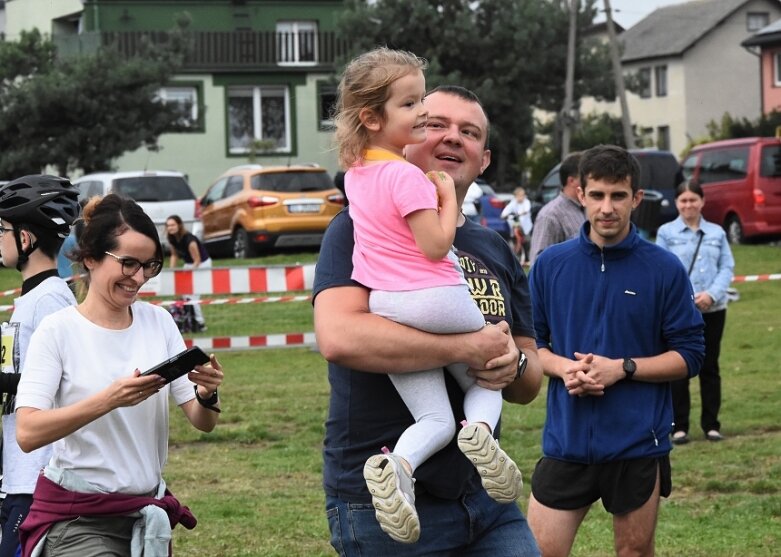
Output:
[[179, 365]]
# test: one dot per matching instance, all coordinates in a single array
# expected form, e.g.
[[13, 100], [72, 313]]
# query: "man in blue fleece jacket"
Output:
[[615, 322]]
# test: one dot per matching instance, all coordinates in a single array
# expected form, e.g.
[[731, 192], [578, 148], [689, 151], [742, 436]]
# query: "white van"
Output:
[[160, 193]]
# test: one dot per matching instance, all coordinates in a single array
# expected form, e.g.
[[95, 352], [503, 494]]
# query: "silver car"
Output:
[[160, 193]]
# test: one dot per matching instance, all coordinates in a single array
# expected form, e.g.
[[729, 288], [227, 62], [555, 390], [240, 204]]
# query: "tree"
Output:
[[84, 112], [729, 127], [592, 129], [512, 53]]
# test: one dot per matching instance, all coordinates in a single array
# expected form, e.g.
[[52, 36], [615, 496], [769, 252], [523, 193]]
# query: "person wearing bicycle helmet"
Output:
[[36, 212]]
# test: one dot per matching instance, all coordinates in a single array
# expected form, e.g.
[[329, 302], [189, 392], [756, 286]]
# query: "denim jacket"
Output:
[[713, 270]]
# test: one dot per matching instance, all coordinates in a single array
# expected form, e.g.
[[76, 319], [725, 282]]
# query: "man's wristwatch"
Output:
[[522, 362], [630, 367]]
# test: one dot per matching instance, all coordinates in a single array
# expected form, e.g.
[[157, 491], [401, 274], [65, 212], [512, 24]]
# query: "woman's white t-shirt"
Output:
[[70, 358]]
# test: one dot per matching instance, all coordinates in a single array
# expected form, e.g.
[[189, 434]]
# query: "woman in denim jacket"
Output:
[[704, 250]]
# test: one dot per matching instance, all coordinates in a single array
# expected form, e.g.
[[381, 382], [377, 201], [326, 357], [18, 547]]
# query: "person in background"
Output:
[[518, 212], [187, 247], [36, 213], [561, 218], [616, 323], [704, 250], [470, 208], [457, 516], [83, 391], [66, 264]]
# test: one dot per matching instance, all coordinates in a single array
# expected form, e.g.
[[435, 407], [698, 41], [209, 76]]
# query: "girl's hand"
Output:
[[446, 188], [208, 377]]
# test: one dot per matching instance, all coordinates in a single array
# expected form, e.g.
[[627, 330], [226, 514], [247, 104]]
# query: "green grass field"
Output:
[[255, 482]]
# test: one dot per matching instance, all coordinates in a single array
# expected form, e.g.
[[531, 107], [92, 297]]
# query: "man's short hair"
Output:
[[570, 167], [611, 164]]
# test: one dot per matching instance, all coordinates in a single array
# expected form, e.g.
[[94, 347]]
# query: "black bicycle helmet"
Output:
[[46, 202]]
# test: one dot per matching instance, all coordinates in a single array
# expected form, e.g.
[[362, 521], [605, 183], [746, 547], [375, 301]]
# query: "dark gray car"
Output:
[[660, 174]]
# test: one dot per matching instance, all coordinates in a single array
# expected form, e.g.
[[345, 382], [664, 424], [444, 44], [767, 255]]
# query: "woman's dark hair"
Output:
[[689, 185], [180, 230], [106, 218]]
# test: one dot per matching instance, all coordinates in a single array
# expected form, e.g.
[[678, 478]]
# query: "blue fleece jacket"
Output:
[[630, 300]]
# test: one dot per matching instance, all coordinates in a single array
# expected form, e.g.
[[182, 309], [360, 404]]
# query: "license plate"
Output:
[[304, 208]]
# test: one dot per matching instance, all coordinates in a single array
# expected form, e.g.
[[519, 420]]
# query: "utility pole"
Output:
[[567, 119], [618, 75]]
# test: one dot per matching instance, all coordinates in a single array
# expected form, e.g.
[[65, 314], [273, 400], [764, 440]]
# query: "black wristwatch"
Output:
[[630, 367], [522, 362], [208, 403]]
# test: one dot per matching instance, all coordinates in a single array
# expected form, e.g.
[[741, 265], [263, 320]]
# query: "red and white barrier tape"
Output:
[[295, 277], [287, 340], [223, 301], [757, 278], [230, 280], [215, 301], [224, 280]]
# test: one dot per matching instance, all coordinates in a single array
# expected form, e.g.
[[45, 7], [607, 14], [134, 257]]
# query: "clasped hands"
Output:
[[590, 374]]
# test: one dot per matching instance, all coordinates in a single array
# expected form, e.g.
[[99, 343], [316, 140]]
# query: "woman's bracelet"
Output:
[[208, 403]]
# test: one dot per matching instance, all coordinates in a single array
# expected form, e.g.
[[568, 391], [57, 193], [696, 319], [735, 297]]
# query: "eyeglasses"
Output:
[[131, 265], [4, 230]]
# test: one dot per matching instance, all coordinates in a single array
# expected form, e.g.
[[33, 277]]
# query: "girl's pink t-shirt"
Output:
[[386, 256]]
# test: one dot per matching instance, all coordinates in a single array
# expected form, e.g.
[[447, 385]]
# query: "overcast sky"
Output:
[[629, 12]]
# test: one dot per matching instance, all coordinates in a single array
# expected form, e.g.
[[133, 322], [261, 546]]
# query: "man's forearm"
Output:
[[348, 334]]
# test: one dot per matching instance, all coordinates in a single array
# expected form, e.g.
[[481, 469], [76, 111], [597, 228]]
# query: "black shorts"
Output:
[[623, 485]]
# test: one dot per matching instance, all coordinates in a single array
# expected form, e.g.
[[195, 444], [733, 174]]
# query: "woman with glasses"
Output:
[[81, 391]]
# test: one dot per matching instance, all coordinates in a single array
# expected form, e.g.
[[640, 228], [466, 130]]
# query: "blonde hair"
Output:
[[366, 84]]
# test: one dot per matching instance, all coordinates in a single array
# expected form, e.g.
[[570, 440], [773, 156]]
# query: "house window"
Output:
[[777, 69], [660, 80], [186, 97], [326, 103], [297, 42], [644, 78], [757, 20], [258, 119], [663, 138], [645, 139]]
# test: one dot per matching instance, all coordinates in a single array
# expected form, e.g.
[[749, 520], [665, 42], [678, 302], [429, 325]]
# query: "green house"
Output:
[[259, 80]]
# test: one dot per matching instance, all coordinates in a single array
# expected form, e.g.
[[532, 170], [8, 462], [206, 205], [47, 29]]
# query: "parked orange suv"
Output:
[[251, 207]]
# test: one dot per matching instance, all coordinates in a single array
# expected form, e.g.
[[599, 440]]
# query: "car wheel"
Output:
[[242, 246], [734, 230]]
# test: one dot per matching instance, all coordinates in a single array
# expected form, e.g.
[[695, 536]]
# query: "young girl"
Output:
[[404, 229]]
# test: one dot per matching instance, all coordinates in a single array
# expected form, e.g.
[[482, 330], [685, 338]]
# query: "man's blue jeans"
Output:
[[473, 526]]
